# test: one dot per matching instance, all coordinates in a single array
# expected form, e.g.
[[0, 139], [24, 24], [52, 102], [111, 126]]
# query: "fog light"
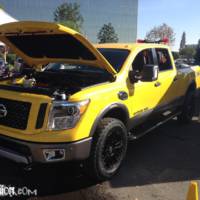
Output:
[[51, 155]]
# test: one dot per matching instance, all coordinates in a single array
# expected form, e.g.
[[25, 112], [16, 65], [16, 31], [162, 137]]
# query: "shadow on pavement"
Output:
[[168, 154], [48, 180]]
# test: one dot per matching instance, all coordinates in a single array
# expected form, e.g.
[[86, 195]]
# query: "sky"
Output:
[[181, 15]]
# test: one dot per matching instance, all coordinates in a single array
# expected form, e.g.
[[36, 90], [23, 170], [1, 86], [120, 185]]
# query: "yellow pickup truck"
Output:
[[83, 102]]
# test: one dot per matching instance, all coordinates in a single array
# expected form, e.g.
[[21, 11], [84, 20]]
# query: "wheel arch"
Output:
[[116, 110], [192, 86]]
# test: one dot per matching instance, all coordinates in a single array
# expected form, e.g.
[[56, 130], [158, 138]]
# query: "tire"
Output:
[[108, 149], [188, 108]]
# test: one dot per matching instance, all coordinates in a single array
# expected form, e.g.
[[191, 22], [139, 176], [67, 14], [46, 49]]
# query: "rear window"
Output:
[[164, 61], [116, 57]]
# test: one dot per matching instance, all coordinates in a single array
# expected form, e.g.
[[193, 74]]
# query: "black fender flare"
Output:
[[107, 110], [192, 85]]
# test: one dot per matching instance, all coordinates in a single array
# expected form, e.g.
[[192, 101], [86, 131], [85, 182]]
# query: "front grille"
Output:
[[17, 113], [41, 115]]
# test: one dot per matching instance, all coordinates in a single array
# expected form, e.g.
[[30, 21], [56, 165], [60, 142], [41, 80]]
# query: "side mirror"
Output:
[[150, 73]]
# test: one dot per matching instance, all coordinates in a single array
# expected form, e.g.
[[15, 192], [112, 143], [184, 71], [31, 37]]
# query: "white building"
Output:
[[4, 18]]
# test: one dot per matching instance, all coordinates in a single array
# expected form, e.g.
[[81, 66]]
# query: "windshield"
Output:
[[73, 67], [116, 57]]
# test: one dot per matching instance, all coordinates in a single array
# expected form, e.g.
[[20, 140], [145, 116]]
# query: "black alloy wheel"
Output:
[[108, 149]]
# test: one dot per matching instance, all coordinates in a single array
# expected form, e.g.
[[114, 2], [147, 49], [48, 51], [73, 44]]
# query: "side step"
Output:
[[142, 130]]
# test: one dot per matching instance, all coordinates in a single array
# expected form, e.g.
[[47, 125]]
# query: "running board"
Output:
[[133, 136]]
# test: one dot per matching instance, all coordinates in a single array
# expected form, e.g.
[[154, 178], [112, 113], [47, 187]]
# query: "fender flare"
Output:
[[192, 85], [105, 111]]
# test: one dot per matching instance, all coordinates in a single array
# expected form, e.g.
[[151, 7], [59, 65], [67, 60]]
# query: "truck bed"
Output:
[[195, 68]]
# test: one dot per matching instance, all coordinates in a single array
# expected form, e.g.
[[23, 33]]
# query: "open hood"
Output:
[[39, 43]]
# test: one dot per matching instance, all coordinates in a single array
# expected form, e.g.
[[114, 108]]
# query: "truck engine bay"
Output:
[[58, 84]]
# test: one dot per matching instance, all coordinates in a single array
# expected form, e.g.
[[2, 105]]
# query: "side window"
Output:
[[164, 61], [143, 58]]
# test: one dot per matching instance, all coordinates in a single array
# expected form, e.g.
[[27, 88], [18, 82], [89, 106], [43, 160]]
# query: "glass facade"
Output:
[[122, 14]]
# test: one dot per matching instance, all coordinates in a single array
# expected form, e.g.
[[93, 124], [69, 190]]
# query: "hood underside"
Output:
[[40, 43]]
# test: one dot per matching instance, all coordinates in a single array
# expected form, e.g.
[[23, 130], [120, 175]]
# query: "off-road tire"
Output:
[[109, 131], [188, 108]]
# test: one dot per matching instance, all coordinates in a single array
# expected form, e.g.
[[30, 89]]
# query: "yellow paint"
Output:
[[50, 29], [141, 95]]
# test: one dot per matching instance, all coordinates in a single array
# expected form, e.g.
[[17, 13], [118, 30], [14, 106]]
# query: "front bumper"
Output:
[[28, 152]]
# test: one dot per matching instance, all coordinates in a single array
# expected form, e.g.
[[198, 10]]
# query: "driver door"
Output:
[[143, 96]]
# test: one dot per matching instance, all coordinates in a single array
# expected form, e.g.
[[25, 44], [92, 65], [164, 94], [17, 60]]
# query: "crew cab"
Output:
[[83, 102]]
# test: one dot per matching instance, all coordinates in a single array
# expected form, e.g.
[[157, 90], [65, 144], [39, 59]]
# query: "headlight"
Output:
[[65, 115]]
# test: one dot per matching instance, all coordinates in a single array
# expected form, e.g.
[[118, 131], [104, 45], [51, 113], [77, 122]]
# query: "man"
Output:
[[3, 51], [3, 64]]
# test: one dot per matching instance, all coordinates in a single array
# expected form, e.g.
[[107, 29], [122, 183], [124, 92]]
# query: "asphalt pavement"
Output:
[[158, 166]]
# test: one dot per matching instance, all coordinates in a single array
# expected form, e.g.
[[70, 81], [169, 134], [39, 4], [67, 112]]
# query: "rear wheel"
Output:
[[188, 108], [108, 149]]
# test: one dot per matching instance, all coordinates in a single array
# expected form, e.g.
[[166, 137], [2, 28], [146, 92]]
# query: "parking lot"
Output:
[[158, 166]]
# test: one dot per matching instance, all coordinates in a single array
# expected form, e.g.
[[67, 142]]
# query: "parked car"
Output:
[[90, 100]]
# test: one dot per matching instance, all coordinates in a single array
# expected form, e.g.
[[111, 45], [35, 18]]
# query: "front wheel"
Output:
[[188, 108], [108, 149]]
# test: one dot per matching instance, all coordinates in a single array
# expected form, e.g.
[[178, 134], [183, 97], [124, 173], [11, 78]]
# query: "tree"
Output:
[[107, 34], [68, 14], [197, 55], [161, 32], [188, 52], [183, 41], [175, 54]]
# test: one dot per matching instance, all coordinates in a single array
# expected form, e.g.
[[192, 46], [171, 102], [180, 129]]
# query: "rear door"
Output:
[[168, 79]]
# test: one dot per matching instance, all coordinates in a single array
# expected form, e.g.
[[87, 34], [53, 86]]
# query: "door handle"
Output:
[[157, 84]]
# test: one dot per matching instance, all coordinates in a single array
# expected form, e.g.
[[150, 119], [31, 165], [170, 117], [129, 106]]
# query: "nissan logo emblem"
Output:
[[3, 111]]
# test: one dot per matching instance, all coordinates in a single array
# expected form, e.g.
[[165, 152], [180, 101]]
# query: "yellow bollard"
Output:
[[193, 191]]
